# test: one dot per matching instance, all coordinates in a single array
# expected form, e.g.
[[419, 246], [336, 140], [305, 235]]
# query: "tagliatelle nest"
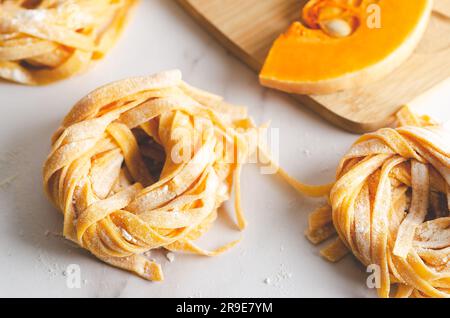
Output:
[[145, 163], [42, 41], [390, 207]]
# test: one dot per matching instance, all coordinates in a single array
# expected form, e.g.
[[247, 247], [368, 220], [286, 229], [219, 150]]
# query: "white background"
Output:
[[161, 36]]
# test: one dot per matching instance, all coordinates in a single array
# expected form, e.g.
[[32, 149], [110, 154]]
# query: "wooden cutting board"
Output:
[[248, 28]]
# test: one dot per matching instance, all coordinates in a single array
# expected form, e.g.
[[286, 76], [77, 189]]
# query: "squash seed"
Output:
[[337, 28]]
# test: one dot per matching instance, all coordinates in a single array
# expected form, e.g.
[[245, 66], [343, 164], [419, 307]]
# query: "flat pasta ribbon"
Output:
[[390, 207], [145, 163], [44, 41]]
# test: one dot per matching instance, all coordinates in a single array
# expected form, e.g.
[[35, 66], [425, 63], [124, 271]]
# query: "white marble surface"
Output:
[[161, 36]]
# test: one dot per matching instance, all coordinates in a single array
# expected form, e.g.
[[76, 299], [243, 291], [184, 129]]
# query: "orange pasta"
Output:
[[48, 40], [115, 170], [390, 207]]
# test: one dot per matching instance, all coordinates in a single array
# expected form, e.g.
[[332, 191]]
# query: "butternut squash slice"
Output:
[[342, 44]]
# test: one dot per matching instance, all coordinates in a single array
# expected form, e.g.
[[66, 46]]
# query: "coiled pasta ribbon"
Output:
[[42, 41], [390, 207], [145, 163]]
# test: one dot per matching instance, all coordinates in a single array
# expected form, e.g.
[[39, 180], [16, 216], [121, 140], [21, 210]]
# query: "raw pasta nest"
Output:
[[390, 207], [115, 172], [48, 40]]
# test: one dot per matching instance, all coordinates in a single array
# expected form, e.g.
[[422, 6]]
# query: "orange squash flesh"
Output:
[[307, 60]]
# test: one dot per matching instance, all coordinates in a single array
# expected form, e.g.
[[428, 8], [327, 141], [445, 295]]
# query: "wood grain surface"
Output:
[[248, 28]]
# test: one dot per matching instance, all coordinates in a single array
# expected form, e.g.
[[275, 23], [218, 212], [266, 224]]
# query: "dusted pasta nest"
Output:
[[145, 163], [42, 41], [390, 207]]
